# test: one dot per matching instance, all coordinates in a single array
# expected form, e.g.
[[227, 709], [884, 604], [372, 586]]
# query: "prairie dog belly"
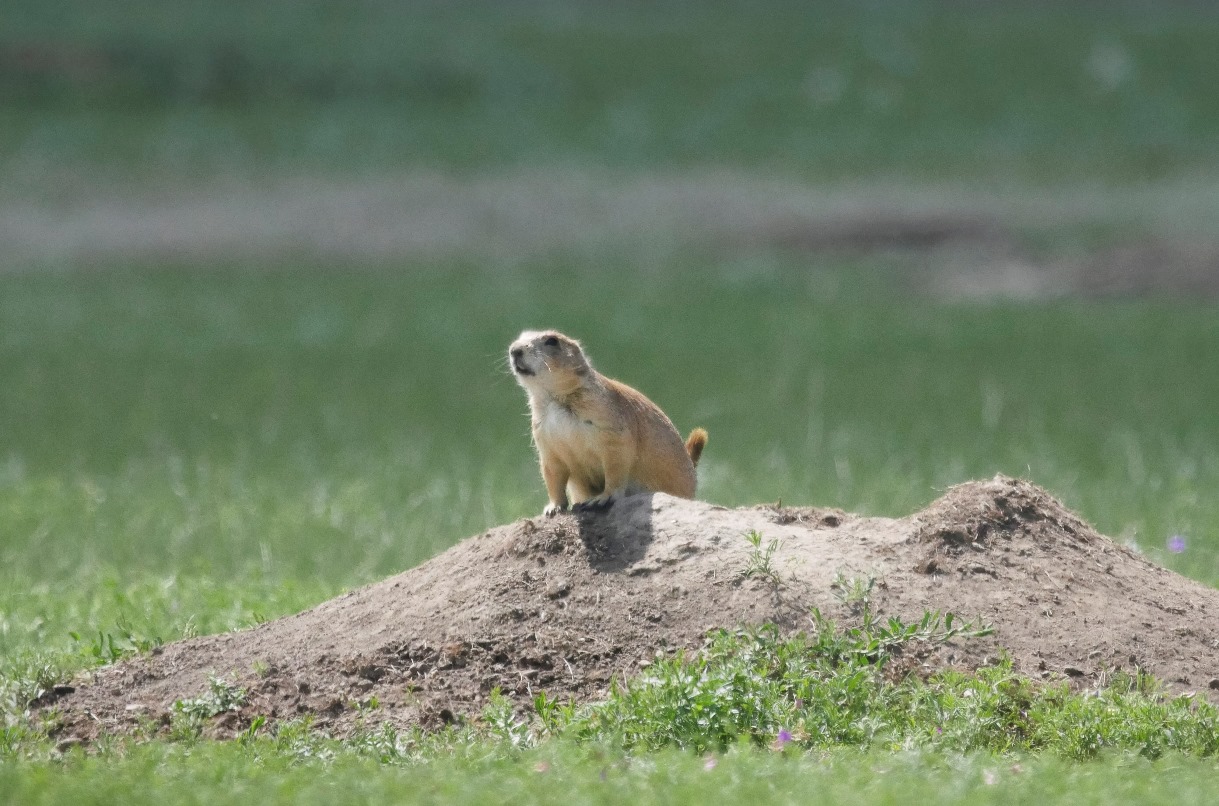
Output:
[[574, 443]]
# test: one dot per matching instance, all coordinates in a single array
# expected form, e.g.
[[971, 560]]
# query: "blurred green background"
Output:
[[937, 91], [259, 264]]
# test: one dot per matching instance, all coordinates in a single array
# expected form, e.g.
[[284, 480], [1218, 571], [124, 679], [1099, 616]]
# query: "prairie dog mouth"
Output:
[[518, 366]]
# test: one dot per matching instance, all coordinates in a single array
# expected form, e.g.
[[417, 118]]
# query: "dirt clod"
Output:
[[565, 605]]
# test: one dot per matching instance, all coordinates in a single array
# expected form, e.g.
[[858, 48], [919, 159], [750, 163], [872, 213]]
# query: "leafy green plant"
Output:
[[753, 684], [502, 723], [25, 677], [250, 734], [829, 688], [108, 647], [552, 714], [854, 592], [876, 641], [760, 562], [189, 715]]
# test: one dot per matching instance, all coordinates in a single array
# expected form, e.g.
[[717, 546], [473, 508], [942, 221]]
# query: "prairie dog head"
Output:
[[546, 361]]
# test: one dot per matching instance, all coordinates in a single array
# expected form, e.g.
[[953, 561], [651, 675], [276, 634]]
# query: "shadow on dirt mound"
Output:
[[567, 604]]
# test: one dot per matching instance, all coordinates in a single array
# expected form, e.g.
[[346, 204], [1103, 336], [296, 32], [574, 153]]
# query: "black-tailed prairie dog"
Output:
[[597, 439]]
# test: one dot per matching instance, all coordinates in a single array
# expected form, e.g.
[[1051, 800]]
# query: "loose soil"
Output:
[[566, 605]]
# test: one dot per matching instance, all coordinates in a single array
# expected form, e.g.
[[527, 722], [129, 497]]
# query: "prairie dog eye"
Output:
[[550, 341]]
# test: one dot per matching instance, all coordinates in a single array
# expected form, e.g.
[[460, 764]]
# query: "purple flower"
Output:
[[1176, 544], [781, 740]]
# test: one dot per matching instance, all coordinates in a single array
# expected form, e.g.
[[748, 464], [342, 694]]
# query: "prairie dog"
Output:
[[597, 439]]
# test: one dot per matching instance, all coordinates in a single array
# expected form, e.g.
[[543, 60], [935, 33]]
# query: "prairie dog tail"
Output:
[[695, 444]]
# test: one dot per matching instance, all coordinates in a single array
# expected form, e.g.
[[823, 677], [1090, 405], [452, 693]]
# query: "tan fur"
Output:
[[597, 439]]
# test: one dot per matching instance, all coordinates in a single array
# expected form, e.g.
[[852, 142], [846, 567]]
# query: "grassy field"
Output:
[[192, 450], [564, 774], [195, 445], [240, 421], [829, 90]]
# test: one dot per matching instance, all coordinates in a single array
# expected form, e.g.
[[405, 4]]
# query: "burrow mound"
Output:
[[565, 605]]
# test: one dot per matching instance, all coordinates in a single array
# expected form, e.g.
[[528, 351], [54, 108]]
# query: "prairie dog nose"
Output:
[[517, 352]]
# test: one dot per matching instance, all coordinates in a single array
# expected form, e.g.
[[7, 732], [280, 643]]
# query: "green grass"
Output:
[[829, 689], [334, 425], [562, 774], [827, 90], [192, 450], [763, 717], [189, 451]]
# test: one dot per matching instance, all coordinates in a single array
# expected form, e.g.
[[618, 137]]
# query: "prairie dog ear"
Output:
[[576, 351]]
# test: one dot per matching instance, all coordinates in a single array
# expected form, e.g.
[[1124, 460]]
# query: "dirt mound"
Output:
[[566, 604]]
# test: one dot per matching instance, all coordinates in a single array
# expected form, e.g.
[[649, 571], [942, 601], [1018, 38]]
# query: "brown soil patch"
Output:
[[567, 604]]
